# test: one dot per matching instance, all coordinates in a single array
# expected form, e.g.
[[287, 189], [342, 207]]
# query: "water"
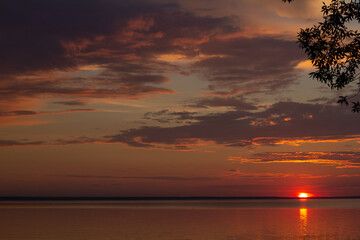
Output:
[[182, 220]]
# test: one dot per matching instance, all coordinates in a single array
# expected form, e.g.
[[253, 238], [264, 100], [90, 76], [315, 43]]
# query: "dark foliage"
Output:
[[333, 48]]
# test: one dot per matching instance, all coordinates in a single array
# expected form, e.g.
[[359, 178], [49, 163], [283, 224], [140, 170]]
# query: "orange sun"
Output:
[[303, 195]]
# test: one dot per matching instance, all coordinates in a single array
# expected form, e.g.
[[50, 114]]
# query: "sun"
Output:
[[303, 195]]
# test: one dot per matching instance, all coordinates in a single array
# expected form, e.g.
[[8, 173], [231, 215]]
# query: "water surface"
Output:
[[190, 219]]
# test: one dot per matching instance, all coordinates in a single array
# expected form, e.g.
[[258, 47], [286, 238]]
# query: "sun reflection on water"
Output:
[[303, 217]]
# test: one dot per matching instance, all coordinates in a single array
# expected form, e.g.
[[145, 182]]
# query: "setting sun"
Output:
[[303, 195]]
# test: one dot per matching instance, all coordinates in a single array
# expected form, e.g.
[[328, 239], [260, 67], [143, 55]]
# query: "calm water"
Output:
[[166, 220]]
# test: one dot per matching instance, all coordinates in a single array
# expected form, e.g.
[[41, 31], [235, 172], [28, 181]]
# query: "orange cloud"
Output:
[[237, 173], [297, 141], [337, 159], [305, 65]]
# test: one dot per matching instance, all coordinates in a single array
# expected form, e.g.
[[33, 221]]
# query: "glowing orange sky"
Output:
[[168, 98]]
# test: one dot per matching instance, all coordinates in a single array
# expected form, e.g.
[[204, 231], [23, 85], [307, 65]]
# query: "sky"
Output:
[[167, 98]]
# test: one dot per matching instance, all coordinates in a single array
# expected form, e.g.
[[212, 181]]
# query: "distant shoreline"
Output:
[[10, 198]]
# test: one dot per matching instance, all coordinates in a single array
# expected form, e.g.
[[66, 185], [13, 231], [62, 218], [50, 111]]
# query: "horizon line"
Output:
[[20, 198]]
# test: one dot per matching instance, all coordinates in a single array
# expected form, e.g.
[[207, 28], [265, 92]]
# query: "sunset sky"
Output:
[[168, 98]]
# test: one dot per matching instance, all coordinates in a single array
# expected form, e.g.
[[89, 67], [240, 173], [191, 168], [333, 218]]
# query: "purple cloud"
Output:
[[283, 122]]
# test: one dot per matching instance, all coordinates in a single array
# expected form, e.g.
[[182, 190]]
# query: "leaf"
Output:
[[343, 100], [356, 107]]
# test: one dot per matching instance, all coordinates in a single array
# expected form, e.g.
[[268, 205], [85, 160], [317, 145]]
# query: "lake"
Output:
[[182, 219]]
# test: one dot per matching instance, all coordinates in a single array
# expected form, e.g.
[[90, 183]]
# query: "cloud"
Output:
[[12, 143], [55, 32], [23, 117], [235, 102], [163, 178], [64, 141], [282, 123], [77, 140], [238, 174], [305, 65], [167, 116], [117, 44], [128, 49], [338, 159], [71, 103], [249, 65], [17, 113], [32, 113], [60, 87]]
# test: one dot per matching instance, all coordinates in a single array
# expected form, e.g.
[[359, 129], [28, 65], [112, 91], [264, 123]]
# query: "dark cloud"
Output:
[[30, 113], [166, 116], [243, 65], [119, 39], [283, 122], [44, 35], [89, 176], [320, 100], [78, 140], [142, 79], [17, 113], [165, 178], [59, 88], [13, 143], [122, 40], [25, 142], [246, 56], [71, 103], [235, 102]]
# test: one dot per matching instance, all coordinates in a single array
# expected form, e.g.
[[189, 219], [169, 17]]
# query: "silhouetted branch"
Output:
[[333, 48]]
